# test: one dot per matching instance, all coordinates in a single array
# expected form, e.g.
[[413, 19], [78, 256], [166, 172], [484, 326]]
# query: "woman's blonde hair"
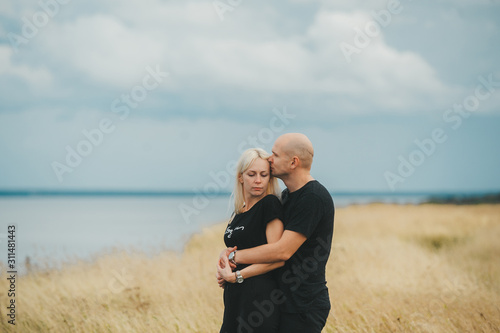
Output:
[[246, 159]]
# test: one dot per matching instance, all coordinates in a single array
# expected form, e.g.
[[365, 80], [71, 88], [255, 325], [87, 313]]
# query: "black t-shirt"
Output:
[[248, 229], [309, 211]]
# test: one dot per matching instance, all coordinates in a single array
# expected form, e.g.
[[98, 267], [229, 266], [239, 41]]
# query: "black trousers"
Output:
[[310, 322]]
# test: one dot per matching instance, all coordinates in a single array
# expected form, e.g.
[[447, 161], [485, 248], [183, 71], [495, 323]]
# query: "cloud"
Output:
[[220, 64], [96, 51], [382, 76], [35, 77], [225, 79], [101, 48]]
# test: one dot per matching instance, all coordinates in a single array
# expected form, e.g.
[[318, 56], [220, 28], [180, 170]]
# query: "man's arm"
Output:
[[282, 250], [226, 274], [274, 232]]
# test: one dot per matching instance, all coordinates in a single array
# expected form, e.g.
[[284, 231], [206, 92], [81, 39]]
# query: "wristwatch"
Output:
[[239, 278], [231, 257]]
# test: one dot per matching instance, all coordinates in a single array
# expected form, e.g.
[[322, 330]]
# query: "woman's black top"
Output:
[[247, 305]]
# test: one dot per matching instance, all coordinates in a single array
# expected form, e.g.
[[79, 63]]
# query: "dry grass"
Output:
[[428, 268]]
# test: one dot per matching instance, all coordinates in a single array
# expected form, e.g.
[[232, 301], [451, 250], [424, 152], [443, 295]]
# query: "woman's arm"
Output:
[[274, 230]]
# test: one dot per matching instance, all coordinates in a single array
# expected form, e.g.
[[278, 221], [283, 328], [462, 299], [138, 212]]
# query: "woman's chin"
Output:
[[257, 193]]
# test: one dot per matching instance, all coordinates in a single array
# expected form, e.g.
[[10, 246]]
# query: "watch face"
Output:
[[240, 280]]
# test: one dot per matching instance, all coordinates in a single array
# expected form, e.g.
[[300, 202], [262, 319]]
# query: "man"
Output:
[[306, 242]]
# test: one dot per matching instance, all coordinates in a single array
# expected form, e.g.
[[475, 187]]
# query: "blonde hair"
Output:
[[246, 159]]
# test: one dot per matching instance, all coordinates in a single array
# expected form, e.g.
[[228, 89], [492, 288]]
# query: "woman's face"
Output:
[[256, 178]]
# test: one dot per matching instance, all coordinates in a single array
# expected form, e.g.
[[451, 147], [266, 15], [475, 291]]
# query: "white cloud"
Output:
[[6, 7], [36, 77], [382, 76], [207, 57], [467, 2], [102, 48], [230, 74], [346, 5], [188, 38], [379, 74]]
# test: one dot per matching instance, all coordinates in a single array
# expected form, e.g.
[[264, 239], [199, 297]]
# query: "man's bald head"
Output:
[[297, 144]]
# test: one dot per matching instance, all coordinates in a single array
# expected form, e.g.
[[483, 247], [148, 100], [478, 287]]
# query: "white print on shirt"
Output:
[[230, 231]]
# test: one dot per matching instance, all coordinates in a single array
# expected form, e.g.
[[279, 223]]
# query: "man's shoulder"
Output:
[[311, 195], [316, 185], [315, 188], [319, 193]]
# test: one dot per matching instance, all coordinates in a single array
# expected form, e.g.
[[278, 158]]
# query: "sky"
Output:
[[399, 96]]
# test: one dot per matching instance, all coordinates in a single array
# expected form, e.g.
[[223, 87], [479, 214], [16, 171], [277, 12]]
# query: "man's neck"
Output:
[[296, 182]]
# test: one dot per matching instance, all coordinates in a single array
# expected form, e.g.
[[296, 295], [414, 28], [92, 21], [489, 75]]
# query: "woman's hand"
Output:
[[224, 271], [220, 281]]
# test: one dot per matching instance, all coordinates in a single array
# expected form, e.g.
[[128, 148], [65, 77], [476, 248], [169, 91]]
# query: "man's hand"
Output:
[[225, 254]]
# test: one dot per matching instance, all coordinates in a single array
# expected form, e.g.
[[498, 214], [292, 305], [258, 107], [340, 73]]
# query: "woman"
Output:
[[256, 221]]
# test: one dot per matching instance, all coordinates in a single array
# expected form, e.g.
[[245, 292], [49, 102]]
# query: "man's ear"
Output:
[[295, 162]]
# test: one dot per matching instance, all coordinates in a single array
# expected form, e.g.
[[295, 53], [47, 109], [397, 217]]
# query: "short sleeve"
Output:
[[271, 209], [306, 215]]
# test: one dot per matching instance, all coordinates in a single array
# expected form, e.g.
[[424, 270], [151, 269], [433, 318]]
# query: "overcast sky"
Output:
[[164, 95]]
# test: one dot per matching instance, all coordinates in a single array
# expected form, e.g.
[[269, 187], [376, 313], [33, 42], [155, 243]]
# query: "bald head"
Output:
[[297, 144]]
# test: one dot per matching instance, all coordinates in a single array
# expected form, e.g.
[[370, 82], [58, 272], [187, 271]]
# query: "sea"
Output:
[[47, 230]]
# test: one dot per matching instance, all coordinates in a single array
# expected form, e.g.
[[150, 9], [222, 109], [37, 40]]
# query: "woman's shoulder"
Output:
[[271, 208], [271, 199]]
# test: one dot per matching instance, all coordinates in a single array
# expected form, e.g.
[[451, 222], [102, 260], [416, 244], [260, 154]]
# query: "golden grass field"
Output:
[[426, 268]]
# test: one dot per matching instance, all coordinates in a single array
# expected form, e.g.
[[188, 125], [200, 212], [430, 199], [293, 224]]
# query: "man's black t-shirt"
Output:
[[309, 211]]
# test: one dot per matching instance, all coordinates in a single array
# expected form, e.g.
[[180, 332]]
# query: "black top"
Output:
[[309, 211], [248, 229]]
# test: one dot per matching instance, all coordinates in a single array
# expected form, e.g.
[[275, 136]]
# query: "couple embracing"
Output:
[[273, 271]]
